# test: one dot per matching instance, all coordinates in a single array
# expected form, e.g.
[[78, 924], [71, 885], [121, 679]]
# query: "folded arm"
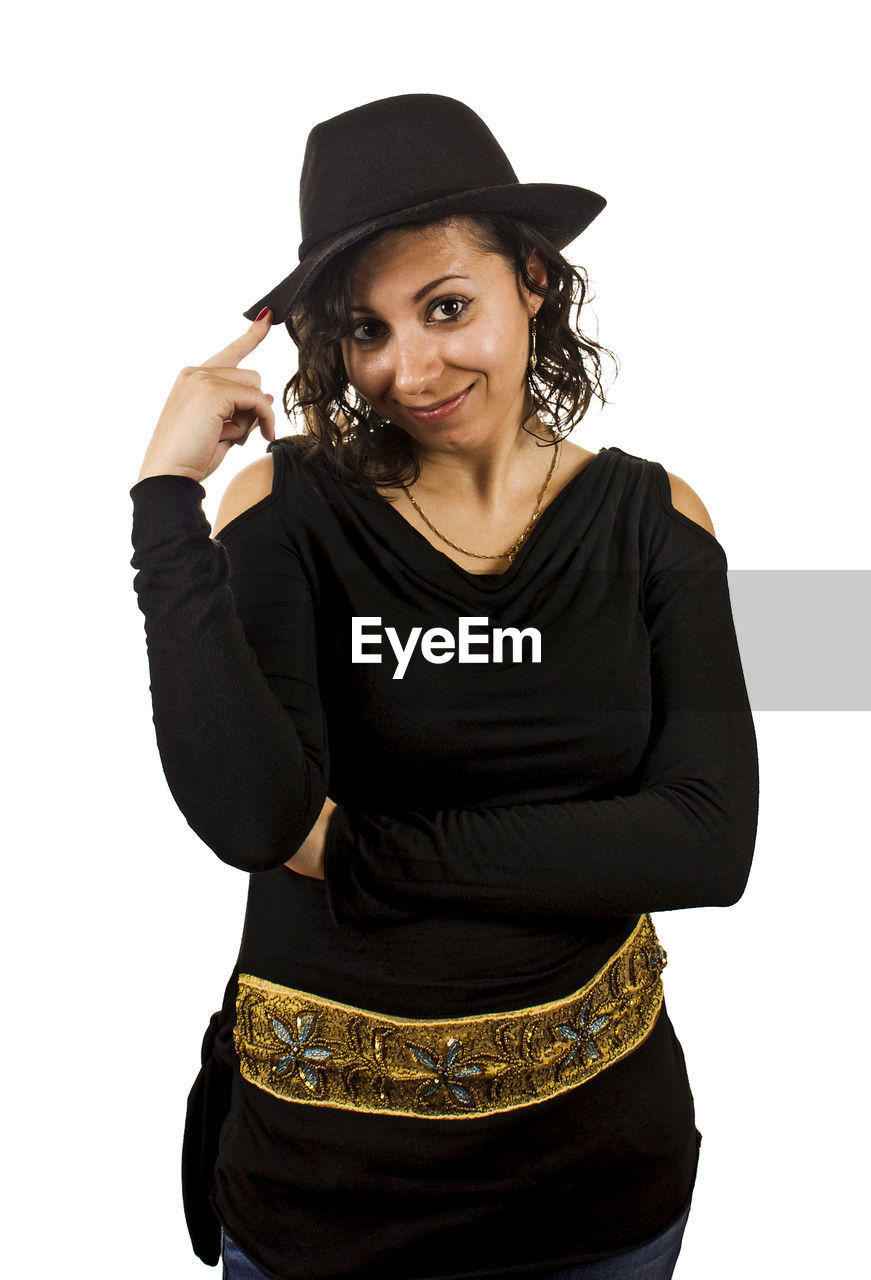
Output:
[[685, 838]]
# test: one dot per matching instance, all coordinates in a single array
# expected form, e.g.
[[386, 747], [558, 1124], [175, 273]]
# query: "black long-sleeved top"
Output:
[[504, 817]]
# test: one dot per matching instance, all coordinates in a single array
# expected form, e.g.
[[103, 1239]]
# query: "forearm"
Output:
[[669, 847]]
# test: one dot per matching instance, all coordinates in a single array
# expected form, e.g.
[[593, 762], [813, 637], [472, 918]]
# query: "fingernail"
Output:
[[264, 312], [270, 398]]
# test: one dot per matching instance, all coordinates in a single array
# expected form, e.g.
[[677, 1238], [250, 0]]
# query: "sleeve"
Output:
[[240, 731], [684, 838]]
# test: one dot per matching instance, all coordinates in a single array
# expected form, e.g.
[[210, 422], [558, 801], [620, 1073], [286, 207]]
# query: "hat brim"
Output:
[[561, 213]]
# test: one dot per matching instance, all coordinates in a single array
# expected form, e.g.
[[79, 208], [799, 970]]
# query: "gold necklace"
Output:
[[515, 547]]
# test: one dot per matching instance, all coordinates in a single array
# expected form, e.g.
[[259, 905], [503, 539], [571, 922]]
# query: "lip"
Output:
[[439, 412]]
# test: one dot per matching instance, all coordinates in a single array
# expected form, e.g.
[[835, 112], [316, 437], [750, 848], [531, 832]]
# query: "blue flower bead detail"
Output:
[[448, 1072], [582, 1035], [299, 1056]]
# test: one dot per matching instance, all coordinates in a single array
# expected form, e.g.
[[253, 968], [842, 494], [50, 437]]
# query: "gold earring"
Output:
[[533, 358]]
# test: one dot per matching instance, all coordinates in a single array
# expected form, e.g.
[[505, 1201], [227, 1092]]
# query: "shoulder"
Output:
[[674, 493], [248, 487], [688, 503], [574, 459]]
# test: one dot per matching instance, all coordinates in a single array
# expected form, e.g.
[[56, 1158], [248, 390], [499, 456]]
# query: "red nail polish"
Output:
[[264, 312]]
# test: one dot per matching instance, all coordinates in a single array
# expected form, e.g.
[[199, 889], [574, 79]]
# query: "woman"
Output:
[[466, 700]]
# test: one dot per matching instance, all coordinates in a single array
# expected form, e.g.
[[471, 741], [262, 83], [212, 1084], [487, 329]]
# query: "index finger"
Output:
[[242, 346]]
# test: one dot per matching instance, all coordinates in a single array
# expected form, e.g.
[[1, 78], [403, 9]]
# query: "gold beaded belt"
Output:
[[303, 1048]]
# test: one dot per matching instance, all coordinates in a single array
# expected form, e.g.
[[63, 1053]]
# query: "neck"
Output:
[[488, 474]]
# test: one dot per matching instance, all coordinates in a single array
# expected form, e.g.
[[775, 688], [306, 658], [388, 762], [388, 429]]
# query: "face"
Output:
[[440, 338]]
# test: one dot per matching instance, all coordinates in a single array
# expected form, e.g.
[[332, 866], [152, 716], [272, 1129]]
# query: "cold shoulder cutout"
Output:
[[249, 487], [686, 502]]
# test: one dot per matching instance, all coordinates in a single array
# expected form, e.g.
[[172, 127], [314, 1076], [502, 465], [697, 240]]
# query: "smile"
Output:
[[441, 411]]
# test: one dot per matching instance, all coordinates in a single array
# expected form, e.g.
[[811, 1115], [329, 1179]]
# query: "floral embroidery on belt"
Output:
[[303, 1048]]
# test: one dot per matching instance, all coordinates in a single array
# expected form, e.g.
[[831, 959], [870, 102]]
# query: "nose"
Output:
[[416, 363]]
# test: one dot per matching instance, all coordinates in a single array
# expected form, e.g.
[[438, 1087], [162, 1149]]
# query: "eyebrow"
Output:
[[421, 293]]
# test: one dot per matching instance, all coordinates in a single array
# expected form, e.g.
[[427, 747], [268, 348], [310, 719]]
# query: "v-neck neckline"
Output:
[[489, 581]]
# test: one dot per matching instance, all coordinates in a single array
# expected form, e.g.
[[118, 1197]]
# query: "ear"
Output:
[[537, 268]]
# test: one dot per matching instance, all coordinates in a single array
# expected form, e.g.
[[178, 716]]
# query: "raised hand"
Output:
[[211, 407]]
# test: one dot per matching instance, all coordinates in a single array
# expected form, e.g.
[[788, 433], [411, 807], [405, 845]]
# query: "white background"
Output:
[[152, 161]]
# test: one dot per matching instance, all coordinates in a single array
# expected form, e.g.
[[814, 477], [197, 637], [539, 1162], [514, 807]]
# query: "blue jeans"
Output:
[[653, 1261]]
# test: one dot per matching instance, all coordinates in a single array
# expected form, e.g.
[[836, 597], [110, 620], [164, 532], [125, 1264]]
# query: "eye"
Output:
[[452, 308], [366, 331]]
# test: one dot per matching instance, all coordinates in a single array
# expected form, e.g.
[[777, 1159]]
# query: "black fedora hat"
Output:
[[409, 159]]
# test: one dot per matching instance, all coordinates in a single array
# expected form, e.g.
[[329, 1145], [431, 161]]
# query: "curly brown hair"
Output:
[[364, 448]]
